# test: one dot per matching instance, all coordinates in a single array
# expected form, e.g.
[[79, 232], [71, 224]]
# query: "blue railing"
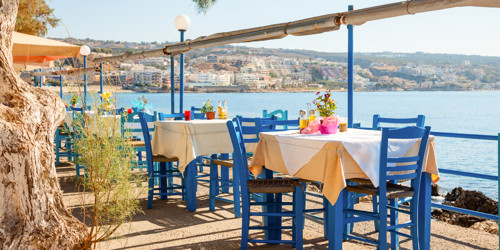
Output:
[[471, 174]]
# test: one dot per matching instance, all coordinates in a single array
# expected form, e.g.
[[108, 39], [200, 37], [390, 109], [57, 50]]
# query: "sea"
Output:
[[471, 112]]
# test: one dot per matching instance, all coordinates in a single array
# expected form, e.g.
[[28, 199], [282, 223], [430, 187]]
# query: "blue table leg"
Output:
[[424, 214], [336, 222], [268, 220], [163, 180], [190, 175], [224, 175]]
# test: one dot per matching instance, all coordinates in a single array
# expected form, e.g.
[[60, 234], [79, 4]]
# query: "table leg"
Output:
[[424, 214], [224, 174], [268, 220], [336, 222], [163, 180], [190, 175]]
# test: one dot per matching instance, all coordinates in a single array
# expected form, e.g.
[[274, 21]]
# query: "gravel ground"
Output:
[[168, 225]]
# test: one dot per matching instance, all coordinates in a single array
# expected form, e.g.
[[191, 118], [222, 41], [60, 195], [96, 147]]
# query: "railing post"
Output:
[[350, 73]]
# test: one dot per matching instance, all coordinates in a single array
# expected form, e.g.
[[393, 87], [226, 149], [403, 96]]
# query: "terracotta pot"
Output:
[[210, 115]]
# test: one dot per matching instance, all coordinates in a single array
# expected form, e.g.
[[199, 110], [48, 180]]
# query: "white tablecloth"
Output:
[[363, 145], [188, 139]]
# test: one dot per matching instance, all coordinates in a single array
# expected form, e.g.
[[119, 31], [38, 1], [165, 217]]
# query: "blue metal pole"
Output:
[[60, 83], [34, 79], [100, 77], [350, 85], [181, 77], [85, 82], [172, 86], [40, 79]]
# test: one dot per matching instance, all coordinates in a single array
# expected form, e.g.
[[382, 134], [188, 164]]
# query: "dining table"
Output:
[[187, 140], [334, 158]]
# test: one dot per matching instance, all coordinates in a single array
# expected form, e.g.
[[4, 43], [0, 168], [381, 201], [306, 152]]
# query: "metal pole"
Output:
[[85, 82], [172, 86], [34, 79], [40, 79], [60, 83], [100, 77], [181, 77], [350, 85]]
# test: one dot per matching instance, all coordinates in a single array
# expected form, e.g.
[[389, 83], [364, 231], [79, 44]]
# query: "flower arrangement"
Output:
[[325, 105], [106, 100], [207, 107], [74, 100], [141, 103]]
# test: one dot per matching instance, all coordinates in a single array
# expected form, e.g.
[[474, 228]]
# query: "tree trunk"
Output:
[[32, 213]]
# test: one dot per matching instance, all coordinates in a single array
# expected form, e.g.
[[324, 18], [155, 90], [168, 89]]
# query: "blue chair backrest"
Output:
[[79, 109], [196, 113], [162, 116], [240, 161], [118, 111], [276, 125], [411, 166], [280, 114], [143, 119], [419, 121], [132, 124], [249, 128]]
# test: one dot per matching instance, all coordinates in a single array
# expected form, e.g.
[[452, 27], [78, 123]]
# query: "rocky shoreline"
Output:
[[471, 200]]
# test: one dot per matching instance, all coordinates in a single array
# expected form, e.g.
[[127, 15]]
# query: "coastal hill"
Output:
[[265, 68]]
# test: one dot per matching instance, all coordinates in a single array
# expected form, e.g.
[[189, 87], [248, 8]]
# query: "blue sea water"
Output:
[[460, 112]]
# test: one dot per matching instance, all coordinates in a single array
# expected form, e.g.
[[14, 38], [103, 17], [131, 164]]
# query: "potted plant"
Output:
[[208, 110], [74, 100], [141, 104], [326, 109]]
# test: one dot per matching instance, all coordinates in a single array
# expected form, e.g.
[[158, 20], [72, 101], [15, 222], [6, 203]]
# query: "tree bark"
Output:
[[32, 213]]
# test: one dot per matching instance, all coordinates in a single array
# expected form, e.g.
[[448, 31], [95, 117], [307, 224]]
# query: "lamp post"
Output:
[[182, 23], [85, 51]]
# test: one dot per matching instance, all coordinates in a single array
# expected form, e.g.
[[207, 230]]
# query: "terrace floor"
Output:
[[170, 225]]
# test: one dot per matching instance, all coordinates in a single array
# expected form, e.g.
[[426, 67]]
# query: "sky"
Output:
[[464, 30]]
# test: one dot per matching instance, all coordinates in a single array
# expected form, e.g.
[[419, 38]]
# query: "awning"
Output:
[[34, 50]]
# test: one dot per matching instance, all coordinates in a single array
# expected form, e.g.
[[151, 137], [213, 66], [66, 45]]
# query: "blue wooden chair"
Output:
[[162, 116], [131, 123], [78, 133], [409, 168], [63, 134], [274, 187], [218, 185], [376, 125], [166, 170], [264, 125], [196, 113]]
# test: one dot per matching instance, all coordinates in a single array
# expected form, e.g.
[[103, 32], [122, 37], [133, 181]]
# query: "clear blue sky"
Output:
[[465, 30]]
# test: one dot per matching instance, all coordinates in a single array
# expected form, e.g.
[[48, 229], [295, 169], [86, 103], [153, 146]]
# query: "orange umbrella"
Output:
[[34, 50]]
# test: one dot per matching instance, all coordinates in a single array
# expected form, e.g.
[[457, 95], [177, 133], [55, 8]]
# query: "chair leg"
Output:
[[58, 147], [236, 193], [414, 228], [170, 179], [163, 180], [150, 192], [382, 234], [394, 221], [375, 210], [325, 218], [214, 179], [245, 224], [299, 216], [277, 219]]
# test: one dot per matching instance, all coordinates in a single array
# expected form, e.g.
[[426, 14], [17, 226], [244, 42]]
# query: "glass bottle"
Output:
[[219, 111], [303, 122], [312, 114], [224, 110]]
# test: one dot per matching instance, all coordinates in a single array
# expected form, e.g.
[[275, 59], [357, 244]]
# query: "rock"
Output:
[[487, 226], [471, 200], [435, 190]]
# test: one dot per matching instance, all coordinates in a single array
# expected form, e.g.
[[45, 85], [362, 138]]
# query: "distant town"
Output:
[[241, 69]]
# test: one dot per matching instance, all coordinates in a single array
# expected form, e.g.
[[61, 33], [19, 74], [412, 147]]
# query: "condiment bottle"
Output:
[[312, 114], [224, 110], [219, 111], [303, 122]]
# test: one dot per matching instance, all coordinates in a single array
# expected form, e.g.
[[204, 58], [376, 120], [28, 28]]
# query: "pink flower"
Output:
[[314, 101], [317, 93]]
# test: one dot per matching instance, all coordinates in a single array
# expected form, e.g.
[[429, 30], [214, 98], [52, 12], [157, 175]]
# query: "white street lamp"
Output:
[[182, 23]]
